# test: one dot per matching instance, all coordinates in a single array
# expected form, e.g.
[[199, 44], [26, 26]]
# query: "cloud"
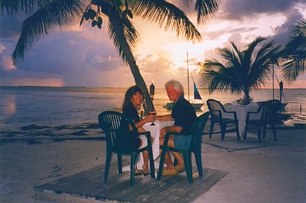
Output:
[[244, 9], [151, 64], [253, 21], [284, 31], [65, 54], [84, 56], [6, 62], [2, 48], [10, 26]]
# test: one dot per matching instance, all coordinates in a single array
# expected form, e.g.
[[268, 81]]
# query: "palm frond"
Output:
[[131, 33], [231, 56], [294, 53], [15, 7], [261, 70], [241, 70], [166, 15], [42, 21], [292, 68], [247, 54], [120, 32], [205, 9]]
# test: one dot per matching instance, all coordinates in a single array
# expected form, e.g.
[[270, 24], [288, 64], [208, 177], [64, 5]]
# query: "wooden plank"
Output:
[[203, 185], [72, 183], [180, 188], [143, 191], [90, 184]]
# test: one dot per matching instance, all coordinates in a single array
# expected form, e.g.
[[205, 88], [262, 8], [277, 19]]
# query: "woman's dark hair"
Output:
[[129, 93]]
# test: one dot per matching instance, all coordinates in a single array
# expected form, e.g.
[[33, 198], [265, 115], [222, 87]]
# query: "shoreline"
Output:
[[34, 134]]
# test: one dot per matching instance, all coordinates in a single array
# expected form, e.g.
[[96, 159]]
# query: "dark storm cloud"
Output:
[[66, 55], [64, 52], [244, 10], [238, 9], [10, 27]]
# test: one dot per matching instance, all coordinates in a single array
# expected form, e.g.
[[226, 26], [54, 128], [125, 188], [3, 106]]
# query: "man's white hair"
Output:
[[177, 85]]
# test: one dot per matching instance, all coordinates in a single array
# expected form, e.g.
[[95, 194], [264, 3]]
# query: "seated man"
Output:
[[184, 117]]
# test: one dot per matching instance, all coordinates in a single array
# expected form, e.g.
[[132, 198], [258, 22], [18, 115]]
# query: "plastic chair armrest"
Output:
[[148, 135], [167, 136]]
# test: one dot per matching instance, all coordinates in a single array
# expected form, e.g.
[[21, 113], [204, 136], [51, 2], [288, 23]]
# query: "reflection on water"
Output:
[[7, 108], [9, 105]]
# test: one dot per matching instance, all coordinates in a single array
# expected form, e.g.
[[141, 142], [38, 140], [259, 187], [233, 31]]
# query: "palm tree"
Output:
[[241, 70], [119, 13], [294, 53]]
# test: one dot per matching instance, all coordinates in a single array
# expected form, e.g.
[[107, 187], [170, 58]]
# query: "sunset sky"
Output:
[[85, 56]]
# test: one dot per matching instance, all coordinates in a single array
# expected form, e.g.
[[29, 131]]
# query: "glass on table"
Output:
[[153, 113]]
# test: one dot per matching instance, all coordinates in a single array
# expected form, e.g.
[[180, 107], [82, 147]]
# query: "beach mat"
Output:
[[89, 184]]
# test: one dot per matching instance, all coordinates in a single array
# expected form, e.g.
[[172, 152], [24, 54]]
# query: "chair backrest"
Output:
[[197, 131], [269, 110], [215, 107], [117, 131]]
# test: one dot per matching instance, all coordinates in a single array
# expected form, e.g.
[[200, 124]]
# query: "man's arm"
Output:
[[167, 117], [172, 128]]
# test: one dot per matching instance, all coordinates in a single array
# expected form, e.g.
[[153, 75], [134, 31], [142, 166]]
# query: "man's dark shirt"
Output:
[[183, 114]]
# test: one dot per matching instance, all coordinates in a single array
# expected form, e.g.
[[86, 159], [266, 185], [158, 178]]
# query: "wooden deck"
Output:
[[90, 184]]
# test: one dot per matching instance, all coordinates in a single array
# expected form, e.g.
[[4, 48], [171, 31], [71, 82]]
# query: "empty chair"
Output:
[[118, 140], [216, 109], [195, 147], [264, 116]]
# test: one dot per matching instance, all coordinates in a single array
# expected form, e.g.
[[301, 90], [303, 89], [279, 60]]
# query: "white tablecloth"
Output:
[[241, 111], [155, 132]]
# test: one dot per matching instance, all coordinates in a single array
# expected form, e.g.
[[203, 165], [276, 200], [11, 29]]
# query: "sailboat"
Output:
[[197, 101]]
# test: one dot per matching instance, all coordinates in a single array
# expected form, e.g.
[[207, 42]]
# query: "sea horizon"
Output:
[[45, 105], [42, 86]]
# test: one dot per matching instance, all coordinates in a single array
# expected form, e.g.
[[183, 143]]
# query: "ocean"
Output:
[[51, 106]]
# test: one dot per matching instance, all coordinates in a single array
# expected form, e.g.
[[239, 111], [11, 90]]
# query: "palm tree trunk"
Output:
[[128, 55], [246, 99]]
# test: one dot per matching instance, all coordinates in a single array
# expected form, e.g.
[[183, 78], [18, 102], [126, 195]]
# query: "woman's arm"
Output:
[[148, 118]]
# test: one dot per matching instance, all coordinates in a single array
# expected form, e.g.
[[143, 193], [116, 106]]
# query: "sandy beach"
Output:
[[257, 172], [39, 154]]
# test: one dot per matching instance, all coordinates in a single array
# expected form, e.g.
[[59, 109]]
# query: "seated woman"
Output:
[[133, 99]]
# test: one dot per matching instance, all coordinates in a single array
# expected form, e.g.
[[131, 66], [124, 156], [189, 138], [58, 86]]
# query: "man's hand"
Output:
[[163, 132]]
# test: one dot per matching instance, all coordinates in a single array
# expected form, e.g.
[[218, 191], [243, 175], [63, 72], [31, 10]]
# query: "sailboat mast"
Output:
[[273, 81], [188, 77]]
